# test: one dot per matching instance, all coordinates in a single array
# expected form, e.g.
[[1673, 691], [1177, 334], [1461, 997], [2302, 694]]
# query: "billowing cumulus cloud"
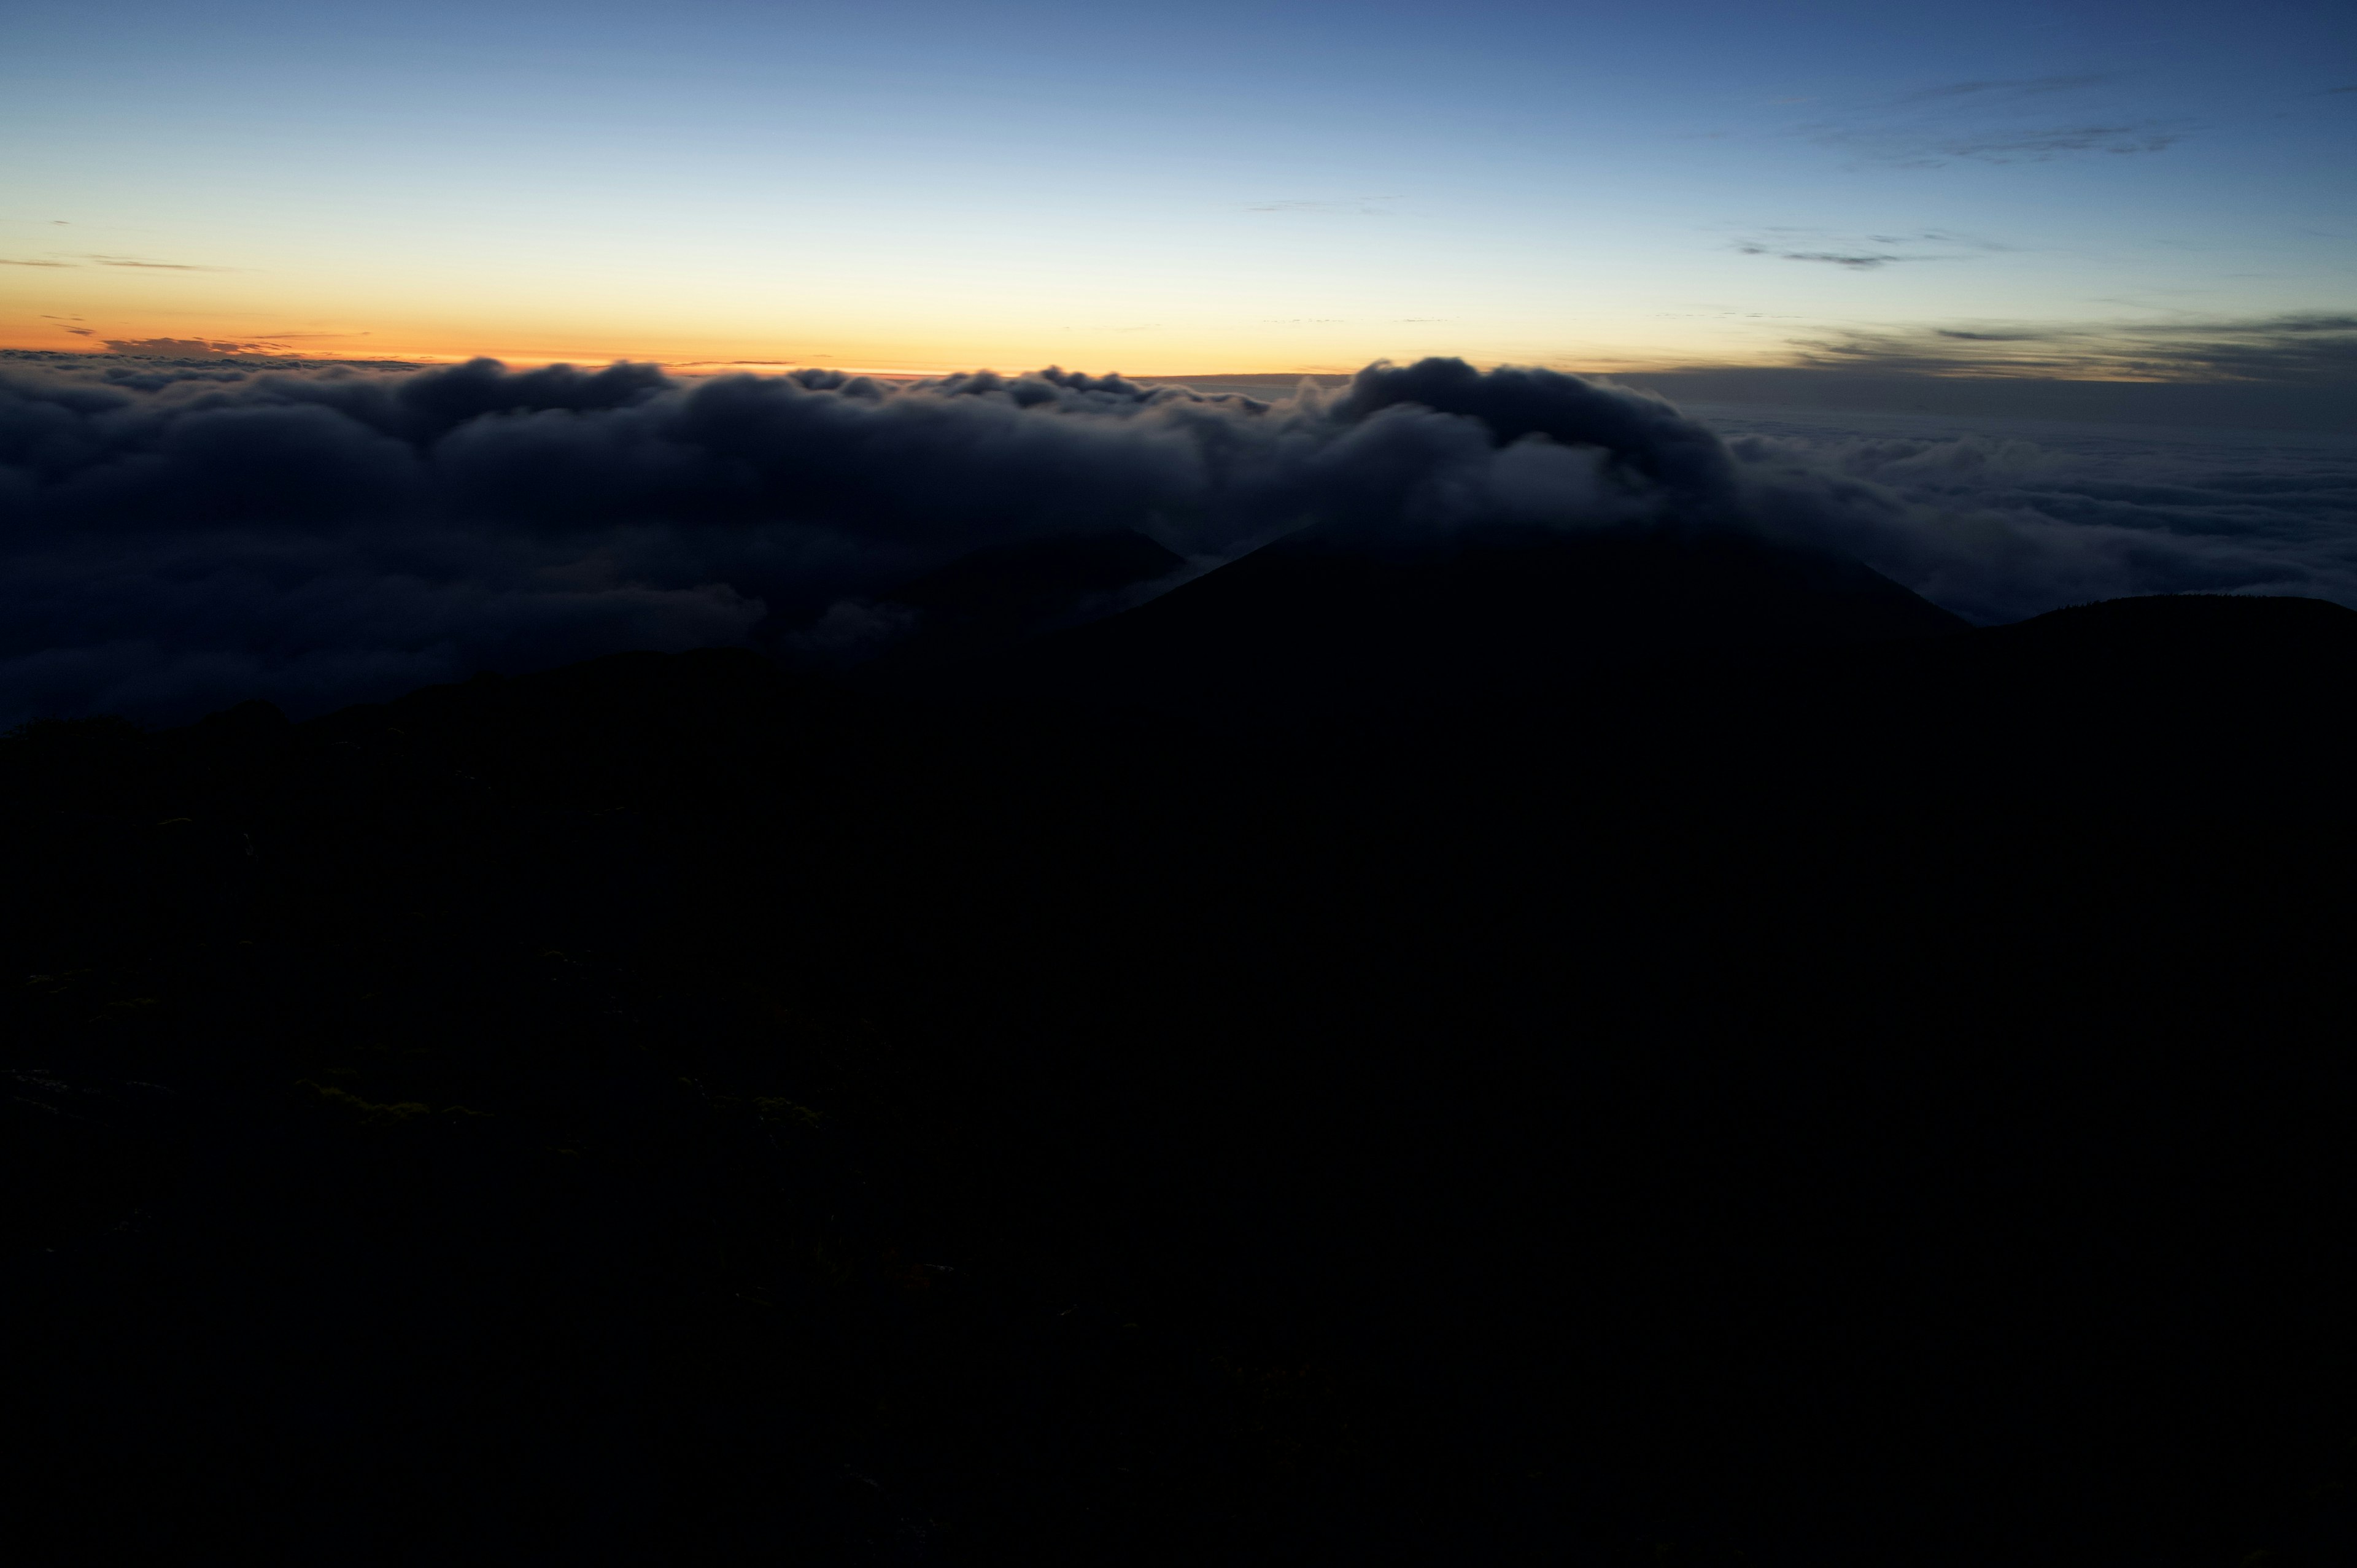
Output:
[[182, 534]]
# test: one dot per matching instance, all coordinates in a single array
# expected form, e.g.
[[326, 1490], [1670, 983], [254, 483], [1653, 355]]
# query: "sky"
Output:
[[2146, 192]]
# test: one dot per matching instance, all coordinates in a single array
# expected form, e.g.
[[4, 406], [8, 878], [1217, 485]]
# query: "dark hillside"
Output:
[[1290, 1074], [1315, 625]]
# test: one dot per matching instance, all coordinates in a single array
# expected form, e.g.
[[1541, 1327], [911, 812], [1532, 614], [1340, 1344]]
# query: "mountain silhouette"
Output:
[[1611, 1049], [1320, 623]]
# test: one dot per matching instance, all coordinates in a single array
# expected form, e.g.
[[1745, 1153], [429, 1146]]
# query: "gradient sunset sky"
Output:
[[911, 184]]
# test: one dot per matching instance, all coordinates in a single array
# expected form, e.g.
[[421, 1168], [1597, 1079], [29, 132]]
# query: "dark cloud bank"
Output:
[[181, 535]]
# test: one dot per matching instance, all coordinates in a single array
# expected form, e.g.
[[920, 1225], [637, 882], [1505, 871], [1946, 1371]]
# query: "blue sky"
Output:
[[1214, 186]]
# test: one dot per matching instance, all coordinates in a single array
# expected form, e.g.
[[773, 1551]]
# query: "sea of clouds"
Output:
[[178, 536]]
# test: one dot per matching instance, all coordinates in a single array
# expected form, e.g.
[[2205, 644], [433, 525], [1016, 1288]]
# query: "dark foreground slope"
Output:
[[1883, 1102]]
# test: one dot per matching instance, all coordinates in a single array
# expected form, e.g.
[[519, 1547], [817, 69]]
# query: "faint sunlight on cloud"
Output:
[[188, 348], [137, 263], [144, 265]]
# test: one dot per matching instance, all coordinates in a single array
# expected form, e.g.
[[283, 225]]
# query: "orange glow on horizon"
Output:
[[700, 360], [233, 314]]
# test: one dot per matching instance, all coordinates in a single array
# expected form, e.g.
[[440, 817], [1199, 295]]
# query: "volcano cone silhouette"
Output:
[[1320, 623]]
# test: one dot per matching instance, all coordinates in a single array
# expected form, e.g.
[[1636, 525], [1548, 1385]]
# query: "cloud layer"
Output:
[[2314, 348], [2022, 516], [179, 535]]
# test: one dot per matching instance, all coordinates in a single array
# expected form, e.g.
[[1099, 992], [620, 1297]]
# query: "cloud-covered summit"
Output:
[[180, 535]]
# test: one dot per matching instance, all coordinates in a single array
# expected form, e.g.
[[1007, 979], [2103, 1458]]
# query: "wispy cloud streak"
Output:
[[1991, 121]]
